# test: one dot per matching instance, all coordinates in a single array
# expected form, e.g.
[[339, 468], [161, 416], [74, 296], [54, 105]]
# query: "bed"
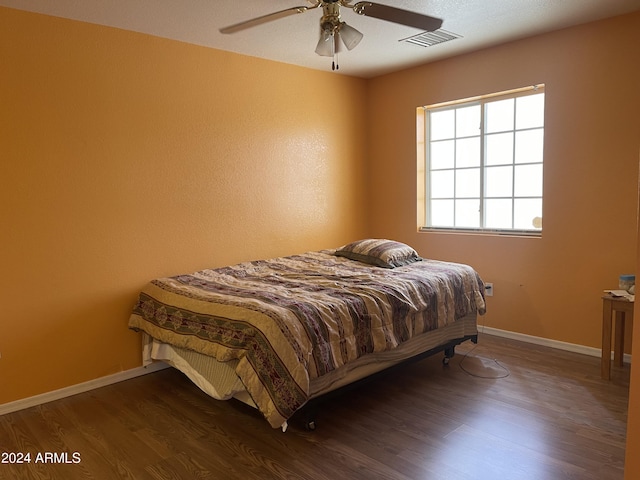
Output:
[[280, 332]]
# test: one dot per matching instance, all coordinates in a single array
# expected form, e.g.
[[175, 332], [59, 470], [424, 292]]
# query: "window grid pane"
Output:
[[489, 179]]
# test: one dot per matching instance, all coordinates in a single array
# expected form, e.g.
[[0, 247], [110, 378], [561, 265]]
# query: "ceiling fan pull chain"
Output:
[[334, 51]]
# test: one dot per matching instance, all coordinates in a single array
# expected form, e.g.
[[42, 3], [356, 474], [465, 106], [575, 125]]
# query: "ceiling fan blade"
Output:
[[397, 15], [254, 22]]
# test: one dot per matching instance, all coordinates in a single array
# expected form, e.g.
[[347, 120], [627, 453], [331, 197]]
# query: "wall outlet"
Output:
[[488, 289]]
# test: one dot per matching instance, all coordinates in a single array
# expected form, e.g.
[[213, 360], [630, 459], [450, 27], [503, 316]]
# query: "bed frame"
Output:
[[308, 413]]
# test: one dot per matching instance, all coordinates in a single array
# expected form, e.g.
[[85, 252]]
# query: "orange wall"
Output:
[[548, 287], [126, 157]]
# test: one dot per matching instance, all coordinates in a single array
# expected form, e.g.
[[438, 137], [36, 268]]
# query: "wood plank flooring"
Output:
[[541, 414]]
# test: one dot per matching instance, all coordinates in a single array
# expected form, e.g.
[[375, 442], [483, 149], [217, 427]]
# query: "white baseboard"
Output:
[[569, 347], [154, 367], [80, 388]]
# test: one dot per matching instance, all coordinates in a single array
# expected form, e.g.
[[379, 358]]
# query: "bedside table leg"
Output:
[[607, 310], [618, 346]]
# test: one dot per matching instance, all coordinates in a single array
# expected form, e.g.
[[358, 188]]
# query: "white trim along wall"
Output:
[[80, 388], [154, 367]]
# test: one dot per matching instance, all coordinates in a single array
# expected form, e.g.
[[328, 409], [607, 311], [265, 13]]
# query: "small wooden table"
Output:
[[623, 309]]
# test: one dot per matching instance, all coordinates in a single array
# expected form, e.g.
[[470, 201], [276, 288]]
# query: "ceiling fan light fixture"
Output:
[[350, 36], [326, 44]]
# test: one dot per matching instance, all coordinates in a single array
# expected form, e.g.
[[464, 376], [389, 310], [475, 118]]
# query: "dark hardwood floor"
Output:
[[541, 414]]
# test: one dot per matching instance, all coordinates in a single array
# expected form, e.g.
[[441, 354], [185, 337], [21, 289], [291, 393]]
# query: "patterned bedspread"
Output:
[[290, 319]]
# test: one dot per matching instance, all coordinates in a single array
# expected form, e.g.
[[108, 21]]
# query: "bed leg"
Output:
[[309, 420], [448, 355], [308, 416]]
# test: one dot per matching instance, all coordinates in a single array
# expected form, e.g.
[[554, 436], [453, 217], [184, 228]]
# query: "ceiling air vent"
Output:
[[429, 39]]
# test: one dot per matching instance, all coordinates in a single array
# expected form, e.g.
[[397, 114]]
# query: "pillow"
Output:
[[379, 252]]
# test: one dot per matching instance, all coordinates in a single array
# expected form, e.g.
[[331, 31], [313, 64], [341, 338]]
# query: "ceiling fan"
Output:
[[333, 30]]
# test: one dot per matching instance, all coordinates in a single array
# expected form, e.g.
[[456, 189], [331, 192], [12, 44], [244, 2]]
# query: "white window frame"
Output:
[[424, 194]]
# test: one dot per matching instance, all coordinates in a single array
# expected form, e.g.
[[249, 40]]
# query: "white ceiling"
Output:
[[481, 23]]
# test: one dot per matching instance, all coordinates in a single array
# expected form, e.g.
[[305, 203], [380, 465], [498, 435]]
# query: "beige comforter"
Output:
[[290, 319]]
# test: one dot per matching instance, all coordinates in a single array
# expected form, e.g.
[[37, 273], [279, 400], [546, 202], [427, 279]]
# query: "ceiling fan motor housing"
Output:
[[330, 20]]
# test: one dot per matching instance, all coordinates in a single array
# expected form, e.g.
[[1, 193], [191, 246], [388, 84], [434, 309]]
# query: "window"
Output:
[[483, 162]]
